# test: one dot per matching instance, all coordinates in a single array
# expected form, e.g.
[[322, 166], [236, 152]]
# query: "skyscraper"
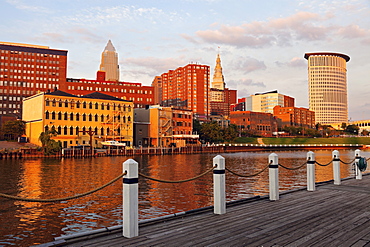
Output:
[[327, 86], [109, 62]]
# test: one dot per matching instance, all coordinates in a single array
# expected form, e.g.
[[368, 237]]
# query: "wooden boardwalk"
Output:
[[333, 215]]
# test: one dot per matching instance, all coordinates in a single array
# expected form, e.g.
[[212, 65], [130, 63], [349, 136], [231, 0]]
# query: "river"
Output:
[[28, 223]]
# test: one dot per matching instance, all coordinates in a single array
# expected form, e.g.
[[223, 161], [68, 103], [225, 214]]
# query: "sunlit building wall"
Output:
[[77, 118], [327, 86]]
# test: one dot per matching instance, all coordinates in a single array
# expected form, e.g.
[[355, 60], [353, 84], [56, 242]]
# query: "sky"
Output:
[[261, 43]]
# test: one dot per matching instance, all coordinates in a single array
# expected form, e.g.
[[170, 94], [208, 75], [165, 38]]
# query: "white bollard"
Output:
[[273, 177], [336, 167], [130, 199], [311, 179], [357, 160], [219, 196]]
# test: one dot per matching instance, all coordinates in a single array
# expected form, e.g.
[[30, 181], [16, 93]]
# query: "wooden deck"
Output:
[[333, 215]]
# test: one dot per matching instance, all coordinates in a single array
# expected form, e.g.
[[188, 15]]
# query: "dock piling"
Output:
[[219, 196], [336, 167], [130, 199], [273, 177], [357, 160], [311, 186]]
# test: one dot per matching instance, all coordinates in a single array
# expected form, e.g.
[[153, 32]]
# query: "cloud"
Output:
[[154, 66], [294, 62], [302, 26], [246, 64], [245, 83], [27, 7]]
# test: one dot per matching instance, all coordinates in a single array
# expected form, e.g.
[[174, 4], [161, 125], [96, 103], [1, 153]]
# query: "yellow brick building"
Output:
[[96, 116]]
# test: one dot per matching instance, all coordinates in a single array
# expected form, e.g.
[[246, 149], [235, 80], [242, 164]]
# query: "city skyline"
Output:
[[262, 43]]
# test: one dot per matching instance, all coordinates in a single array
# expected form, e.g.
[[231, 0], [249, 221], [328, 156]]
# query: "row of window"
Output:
[[75, 131], [85, 105], [86, 117]]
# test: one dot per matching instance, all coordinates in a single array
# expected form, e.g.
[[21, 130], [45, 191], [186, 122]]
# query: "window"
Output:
[[71, 116], [47, 115]]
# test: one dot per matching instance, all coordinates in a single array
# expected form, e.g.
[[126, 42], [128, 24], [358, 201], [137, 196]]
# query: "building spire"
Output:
[[109, 46], [218, 78]]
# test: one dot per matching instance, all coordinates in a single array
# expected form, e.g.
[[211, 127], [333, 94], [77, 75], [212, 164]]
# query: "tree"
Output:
[[13, 129], [49, 145], [352, 129], [230, 133], [211, 132]]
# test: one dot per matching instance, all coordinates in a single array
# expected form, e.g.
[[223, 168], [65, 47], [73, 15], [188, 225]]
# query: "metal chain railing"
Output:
[[347, 163], [63, 198], [178, 181], [324, 164], [293, 168], [248, 176]]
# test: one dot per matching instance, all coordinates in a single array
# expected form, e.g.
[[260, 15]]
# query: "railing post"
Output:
[[219, 196], [274, 177], [357, 160], [130, 199], [311, 186], [336, 167]]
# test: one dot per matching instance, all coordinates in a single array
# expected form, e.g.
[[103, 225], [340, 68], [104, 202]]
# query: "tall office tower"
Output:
[[109, 62], [187, 88], [157, 85], [327, 86], [26, 70]]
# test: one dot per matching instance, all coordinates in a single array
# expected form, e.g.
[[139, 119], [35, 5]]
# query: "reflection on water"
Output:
[[28, 223]]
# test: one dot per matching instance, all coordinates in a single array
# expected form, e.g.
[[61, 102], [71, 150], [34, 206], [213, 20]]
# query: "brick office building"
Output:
[[26, 70]]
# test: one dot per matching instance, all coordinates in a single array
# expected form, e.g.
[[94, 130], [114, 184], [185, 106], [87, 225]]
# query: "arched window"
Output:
[[96, 105], [59, 116], [90, 105], [108, 130], [84, 105], [129, 108], [78, 104], [60, 103], [129, 119], [53, 115], [124, 119], [47, 102], [77, 131], [46, 128], [96, 131], [77, 117], [101, 131], [84, 131], [65, 130], [47, 115], [108, 107], [90, 117], [102, 106], [102, 118], [124, 107], [96, 118], [65, 116], [59, 130], [71, 116], [71, 131], [65, 103], [119, 107], [84, 117]]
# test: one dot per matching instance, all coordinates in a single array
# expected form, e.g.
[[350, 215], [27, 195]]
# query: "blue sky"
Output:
[[262, 43]]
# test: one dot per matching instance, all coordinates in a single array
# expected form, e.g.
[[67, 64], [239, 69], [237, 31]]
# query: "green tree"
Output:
[[211, 132], [13, 129], [230, 133], [352, 129], [49, 145]]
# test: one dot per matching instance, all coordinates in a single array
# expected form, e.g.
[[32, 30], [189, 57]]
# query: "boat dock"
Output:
[[332, 215]]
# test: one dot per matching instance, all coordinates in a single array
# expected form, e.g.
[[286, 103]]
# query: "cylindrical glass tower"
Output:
[[327, 86]]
